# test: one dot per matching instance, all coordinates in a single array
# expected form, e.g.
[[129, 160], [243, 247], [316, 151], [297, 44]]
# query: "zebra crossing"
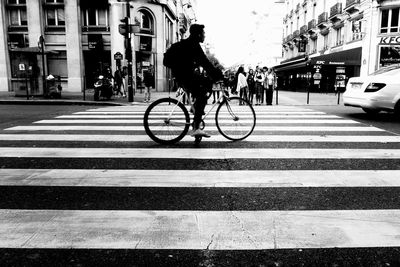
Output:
[[303, 180]]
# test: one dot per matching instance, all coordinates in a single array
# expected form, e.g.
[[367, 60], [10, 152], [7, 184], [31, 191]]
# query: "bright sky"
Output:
[[243, 31]]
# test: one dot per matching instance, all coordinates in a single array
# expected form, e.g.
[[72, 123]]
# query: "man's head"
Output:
[[197, 32]]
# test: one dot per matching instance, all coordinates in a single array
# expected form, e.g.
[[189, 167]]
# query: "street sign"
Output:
[[118, 56], [317, 76], [132, 28]]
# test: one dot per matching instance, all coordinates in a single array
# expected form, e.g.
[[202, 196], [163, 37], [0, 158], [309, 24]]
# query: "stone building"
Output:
[[327, 41], [76, 40]]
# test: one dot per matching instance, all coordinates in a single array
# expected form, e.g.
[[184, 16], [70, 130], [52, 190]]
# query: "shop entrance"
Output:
[[145, 68], [96, 62]]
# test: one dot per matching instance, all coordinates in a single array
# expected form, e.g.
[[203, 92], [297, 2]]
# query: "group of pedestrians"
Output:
[[259, 83]]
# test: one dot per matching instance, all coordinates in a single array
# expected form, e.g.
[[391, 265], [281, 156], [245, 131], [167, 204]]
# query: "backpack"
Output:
[[172, 57]]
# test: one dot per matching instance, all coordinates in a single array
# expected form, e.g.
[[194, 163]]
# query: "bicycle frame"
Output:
[[224, 97]]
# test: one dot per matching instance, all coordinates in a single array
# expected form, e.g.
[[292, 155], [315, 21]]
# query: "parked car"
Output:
[[377, 92]]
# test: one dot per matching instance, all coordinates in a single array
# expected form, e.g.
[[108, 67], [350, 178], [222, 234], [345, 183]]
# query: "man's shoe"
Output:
[[199, 132]]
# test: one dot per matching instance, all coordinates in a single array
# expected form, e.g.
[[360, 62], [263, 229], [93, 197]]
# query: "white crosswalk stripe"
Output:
[[198, 229]]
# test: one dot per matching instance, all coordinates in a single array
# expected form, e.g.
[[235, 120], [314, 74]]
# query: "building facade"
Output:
[[76, 40], [327, 41]]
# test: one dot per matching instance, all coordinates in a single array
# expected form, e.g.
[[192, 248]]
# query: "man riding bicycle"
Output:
[[187, 74]]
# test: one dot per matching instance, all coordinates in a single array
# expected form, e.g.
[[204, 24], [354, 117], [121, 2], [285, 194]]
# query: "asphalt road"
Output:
[[56, 192]]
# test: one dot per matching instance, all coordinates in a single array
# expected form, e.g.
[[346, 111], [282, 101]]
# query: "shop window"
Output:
[[390, 21], [55, 17], [57, 64], [146, 22]]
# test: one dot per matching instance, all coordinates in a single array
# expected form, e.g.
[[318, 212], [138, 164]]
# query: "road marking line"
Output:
[[124, 116], [215, 230], [217, 138], [105, 128], [211, 120], [205, 153], [200, 178]]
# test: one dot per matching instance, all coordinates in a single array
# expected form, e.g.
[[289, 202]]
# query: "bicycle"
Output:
[[167, 121]]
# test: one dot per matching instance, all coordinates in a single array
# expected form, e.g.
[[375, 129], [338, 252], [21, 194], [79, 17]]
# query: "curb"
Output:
[[58, 102]]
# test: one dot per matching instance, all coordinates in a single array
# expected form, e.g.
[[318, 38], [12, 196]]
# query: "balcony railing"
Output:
[[303, 29], [298, 7], [289, 38], [323, 17], [336, 10], [350, 3], [312, 24]]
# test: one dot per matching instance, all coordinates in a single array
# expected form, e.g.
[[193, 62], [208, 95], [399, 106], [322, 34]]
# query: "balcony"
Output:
[[323, 20], [312, 26], [303, 30], [352, 6], [336, 12], [291, 13], [298, 8], [289, 38]]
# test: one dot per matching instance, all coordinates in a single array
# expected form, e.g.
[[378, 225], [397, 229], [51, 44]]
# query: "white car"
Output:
[[376, 92]]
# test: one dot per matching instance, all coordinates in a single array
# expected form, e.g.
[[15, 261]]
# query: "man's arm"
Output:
[[215, 73]]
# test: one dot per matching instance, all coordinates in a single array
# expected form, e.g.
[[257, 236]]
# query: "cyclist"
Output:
[[187, 74]]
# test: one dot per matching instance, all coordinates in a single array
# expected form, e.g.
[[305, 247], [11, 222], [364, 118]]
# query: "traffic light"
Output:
[[124, 27]]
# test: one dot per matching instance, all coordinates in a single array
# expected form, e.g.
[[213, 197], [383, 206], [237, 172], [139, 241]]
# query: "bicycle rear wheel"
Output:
[[235, 118], [166, 121]]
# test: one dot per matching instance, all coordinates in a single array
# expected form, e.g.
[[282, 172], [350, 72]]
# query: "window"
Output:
[[356, 30], [95, 17], [57, 64], [54, 10], [17, 13], [390, 21], [169, 33], [339, 36], [146, 22]]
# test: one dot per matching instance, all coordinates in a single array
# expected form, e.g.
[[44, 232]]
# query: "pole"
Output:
[[129, 55], [41, 41]]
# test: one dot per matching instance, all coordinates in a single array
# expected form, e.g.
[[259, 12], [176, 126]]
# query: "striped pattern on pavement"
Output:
[[265, 223]]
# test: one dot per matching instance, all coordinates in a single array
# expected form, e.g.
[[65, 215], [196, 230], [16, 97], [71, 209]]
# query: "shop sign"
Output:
[[118, 56], [390, 40], [323, 62], [145, 43]]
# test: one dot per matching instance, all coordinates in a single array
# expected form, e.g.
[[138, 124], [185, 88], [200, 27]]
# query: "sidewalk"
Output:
[[284, 98]]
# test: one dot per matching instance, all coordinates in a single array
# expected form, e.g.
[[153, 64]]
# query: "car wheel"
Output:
[[371, 111]]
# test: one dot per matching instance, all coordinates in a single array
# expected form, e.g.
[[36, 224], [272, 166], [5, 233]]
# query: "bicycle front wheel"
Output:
[[235, 118], [166, 121]]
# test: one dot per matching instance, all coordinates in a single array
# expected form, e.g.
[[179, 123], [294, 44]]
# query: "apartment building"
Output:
[[76, 40], [327, 41]]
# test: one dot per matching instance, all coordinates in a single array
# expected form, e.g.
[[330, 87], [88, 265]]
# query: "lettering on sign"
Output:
[[390, 40]]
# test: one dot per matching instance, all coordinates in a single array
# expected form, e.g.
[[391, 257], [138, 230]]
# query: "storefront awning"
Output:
[[294, 64], [34, 50], [342, 58]]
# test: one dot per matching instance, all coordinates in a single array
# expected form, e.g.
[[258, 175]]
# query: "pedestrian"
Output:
[[119, 82], [148, 80], [242, 86], [251, 84], [270, 84], [259, 79]]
